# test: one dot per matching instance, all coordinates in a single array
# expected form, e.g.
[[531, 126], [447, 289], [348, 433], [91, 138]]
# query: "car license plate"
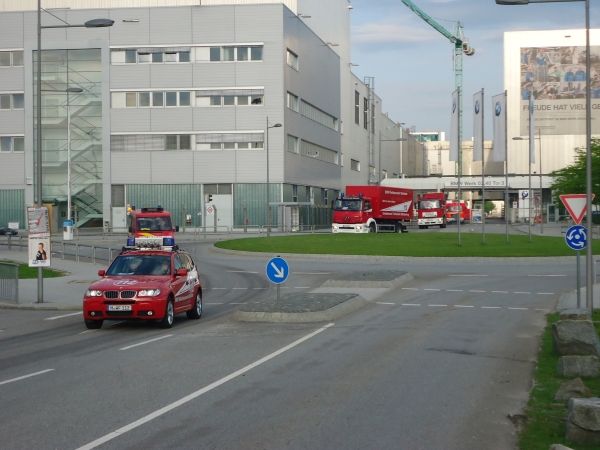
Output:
[[119, 307]]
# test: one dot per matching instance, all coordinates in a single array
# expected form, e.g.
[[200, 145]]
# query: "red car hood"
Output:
[[124, 282]]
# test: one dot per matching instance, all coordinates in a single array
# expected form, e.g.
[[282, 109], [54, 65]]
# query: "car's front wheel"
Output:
[[196, 311], [169, 317], [93, 324]]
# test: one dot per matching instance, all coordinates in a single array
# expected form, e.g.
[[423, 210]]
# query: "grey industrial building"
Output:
[[180, 100]]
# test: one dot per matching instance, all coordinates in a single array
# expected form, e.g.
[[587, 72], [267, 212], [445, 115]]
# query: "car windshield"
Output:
[[140, 265], [347, 205], [154, 224]]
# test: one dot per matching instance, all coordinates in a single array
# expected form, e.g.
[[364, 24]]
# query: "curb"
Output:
[[337, 311]]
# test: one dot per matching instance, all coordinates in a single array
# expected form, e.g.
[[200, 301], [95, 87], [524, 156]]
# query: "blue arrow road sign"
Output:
[[576, 237], [277, 270]]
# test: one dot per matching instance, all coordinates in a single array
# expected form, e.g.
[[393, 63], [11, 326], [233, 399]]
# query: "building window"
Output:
[[184, 98], [130, 99], [313, 113], [5, 59], [130, 56], [319, 152], [256, 53], [144, 99], [292, 60], [292, 102], [11, 58], [9, 144], [292, 144], [150, 142], [170, 98], [294, 192], [215, 53], [227, 53], [355, 165], [229, 141], [12, 101], [366, 113], [356, 107], [243, 53]]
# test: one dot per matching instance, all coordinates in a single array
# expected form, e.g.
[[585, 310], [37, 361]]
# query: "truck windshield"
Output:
[[454, 208], [347, 204], [154, 224], [429, 204]]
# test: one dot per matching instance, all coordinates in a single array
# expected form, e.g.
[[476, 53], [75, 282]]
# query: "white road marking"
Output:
[[214, 303], [499, 292], [218, 289], [440, 306], [64, 315], [521, 292], [410, 289], [469, 275], [491, 307], [454, 290], [86, 331], [385, 303], [25, 376], [236, 303], [544, 293], [188, 398], [146, 342], [301, 287], [518, 308], [549, 275], [435, 290], [410, 304], [260, 288], [241, 271], [477, 290], [464, 306], [239, 288], [541, 309]]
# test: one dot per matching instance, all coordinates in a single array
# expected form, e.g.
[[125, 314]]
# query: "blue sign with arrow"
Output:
[[277, 270], [576, 237]]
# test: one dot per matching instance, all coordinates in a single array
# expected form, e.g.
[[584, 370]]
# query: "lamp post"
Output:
[[94, 23], [276, 125], [589, 273], [539, 138]]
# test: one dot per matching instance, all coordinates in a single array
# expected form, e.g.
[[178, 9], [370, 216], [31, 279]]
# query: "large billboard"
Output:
[[556, 77]]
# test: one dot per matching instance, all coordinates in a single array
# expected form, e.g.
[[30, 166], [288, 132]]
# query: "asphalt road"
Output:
[[438, 363]]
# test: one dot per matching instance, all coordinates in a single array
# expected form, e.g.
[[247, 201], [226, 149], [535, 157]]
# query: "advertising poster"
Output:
[[556, 78], [39, 237]]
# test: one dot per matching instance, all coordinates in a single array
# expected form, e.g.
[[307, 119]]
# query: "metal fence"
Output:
[[9, 282]]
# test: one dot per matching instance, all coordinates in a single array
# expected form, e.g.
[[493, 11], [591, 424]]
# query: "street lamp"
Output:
[[589, 261], [94, 23], [276, 125]]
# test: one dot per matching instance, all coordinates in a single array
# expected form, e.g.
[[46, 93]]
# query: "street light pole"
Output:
[[277, 125], [589, 258], [38, 199], [541, 187]]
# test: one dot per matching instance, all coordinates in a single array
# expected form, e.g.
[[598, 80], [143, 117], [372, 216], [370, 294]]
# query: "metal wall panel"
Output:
[[213, 24], [11, 79], [12, 170], [171, 75], [130, 120], [11, 30], [213, 166], [12, 122], [172, 165], [171, 119], [179, 199], [253, 199], [176, 23], [130, 167], [13, 207], [130, 76], [130, 33]]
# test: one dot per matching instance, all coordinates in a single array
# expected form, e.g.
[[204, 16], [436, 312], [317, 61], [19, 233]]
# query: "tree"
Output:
[[571, 179], [489, 206]]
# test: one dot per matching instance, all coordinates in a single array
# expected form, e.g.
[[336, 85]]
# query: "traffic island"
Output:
[[301, 307]]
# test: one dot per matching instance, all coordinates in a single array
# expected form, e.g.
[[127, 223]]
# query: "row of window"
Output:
[[160, 99], [311, 112], [13, 58], [365, 112], [12, 101], [9, 144], [162, 55], [201, 141], [311, 150], [292, 60]]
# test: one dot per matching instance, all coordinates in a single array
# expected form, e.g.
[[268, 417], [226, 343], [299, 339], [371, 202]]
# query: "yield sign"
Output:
[[576, 206]]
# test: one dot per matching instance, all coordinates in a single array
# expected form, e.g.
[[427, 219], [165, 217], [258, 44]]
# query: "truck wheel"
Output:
[[421, 227], [169, 318], [372, 228], [443, 225]]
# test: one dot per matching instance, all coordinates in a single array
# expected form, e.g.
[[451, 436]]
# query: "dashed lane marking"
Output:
[[23, 377], [518, 308], [146, 342], [430, 289], [477, 291], [439, 305], [544, 293], [499, 292], [548, 275], [241, 271], [522, 292], [410, 304], [455, 290], [491, 307], [385, 303], [78, 313], [463, 306], [410, 289]]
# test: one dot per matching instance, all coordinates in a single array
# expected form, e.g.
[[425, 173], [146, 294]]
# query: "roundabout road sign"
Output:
[[576, 237], [277, 270]]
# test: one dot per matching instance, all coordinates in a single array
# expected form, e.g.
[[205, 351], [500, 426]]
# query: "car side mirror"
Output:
[[181, 272], [101, 273]]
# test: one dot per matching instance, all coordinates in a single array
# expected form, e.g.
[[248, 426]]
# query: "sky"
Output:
[[412, 62]]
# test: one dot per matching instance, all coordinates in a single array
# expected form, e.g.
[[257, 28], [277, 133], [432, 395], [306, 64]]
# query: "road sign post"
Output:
[[576, 239], [277, 271]]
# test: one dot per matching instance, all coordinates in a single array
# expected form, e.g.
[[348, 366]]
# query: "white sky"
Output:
[[412, 62]]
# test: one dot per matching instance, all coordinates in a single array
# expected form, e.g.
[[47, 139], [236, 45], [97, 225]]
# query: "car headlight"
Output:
[[93, 293], [149, 292]]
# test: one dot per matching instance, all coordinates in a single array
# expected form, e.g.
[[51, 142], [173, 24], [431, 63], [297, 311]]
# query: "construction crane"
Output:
[[461, 45]]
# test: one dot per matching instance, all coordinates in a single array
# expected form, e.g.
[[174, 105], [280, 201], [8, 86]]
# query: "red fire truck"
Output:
[[454, 209], [432, 210], [370, 209], [150, 227]]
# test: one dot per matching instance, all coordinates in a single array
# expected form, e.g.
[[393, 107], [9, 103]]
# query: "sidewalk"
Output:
[[61, 293]]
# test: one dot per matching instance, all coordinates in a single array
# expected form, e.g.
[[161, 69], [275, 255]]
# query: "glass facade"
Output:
[[71, 101]]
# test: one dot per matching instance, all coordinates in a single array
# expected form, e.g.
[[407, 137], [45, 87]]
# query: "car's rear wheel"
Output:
[[93, 324], [169, 317], [196, 311]]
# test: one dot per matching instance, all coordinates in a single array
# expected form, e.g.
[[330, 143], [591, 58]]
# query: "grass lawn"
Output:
[[408, 244], [26, 272], [545, 417]]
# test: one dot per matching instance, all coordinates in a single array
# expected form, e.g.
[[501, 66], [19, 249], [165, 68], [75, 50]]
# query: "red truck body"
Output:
[[150, 227], [453, 209], [432, 209], [363, 209]]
